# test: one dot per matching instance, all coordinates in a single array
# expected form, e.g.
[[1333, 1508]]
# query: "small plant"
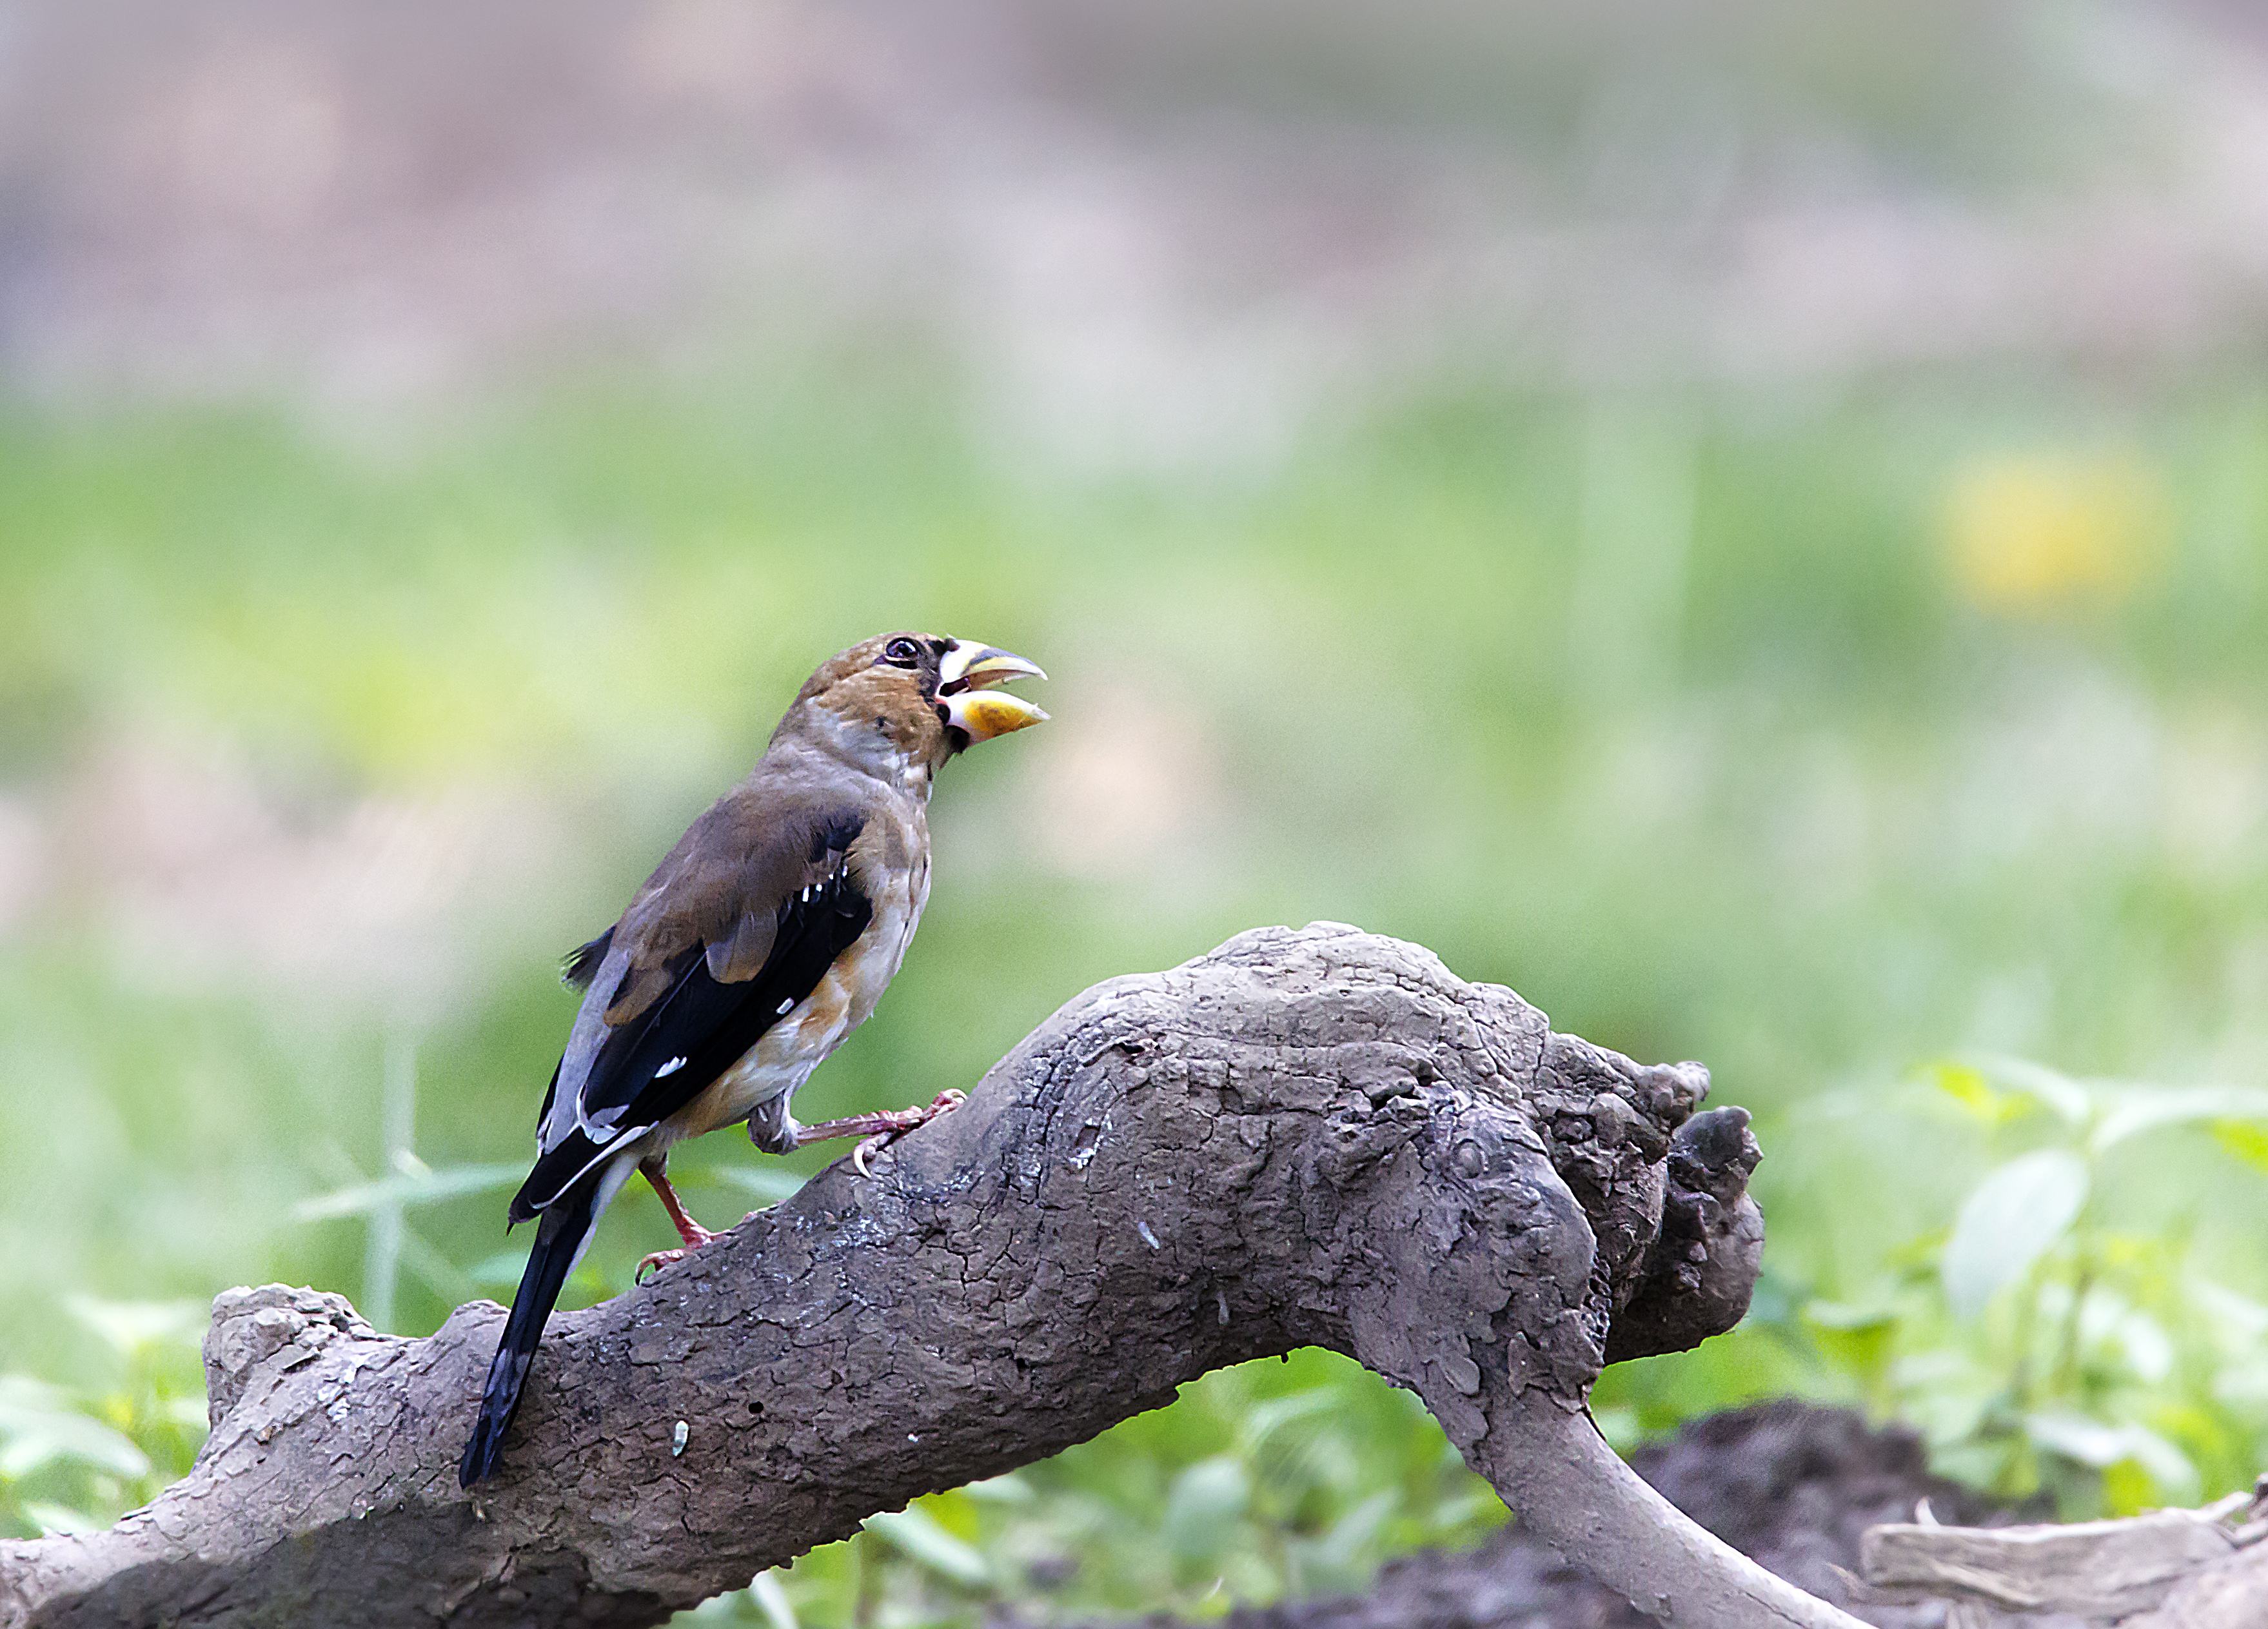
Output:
[[2046, 1339], [1269, 1480], [72, 1461]]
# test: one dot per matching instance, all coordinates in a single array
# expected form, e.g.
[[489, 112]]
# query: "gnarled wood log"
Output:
[[1317, 1138], [2168, 1569]]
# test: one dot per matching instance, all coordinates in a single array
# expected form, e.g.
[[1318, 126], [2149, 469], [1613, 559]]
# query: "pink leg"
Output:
[[877, 1132], [692, 1232]]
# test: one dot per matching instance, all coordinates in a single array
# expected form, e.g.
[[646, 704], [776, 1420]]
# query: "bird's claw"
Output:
[[695, 1237], [902, 1121]]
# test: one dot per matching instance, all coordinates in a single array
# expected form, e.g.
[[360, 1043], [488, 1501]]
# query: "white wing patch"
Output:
[[774, 1067]]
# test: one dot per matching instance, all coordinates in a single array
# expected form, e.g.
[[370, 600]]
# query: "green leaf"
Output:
[[190, 1413], [2070, 1101], [1834, 1314], [2136, 1111], [1008, 1489], [1967, 1085], [1203, 1508], [2099, 1445], [1623, 1428], [2247, 1141], [1482, 1503], [1354, 1533], [2243, 1320], [2148, 1349], [419, 1186], [128, 1327], [914, 1533], [2014, 1217], [2092, 1443], [1263, 1420], [39, 1427], [771, 1600], [1855, 1338]]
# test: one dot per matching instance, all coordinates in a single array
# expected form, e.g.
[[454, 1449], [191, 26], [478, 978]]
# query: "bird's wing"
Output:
[[739, 926], [581, 964]]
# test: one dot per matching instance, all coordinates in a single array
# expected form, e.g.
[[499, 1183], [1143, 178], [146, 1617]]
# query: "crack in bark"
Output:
[[1317, 1138]]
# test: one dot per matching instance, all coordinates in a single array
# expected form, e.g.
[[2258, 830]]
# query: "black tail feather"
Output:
[[558, 1241], [554, 1174]]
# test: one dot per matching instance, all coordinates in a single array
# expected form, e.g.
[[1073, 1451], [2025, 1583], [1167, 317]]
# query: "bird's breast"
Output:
[[785, 1055]]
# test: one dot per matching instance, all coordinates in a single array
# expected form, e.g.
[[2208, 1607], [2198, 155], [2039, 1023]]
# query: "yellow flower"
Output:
[[2027, 535]]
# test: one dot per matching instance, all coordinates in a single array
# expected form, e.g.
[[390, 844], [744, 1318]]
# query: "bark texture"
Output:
[[2165, 1569], [1317, 1138]]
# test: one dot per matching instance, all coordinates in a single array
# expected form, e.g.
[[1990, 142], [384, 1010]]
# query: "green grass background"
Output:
[[1821, 740]]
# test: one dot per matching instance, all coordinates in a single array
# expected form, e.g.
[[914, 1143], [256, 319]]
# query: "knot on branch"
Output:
[[274, 1325], [1703, 1262]]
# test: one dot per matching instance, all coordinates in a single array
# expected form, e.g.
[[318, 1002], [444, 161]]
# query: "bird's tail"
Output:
[[560, 1238]]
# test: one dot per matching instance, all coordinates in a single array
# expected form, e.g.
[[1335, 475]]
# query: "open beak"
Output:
[[965, 690]]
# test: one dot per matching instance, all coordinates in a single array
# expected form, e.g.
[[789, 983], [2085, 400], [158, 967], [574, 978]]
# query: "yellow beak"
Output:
[[965, 682]]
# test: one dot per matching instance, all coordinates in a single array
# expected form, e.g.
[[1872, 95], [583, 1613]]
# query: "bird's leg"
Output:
[[692, 1232], [877, 1132]]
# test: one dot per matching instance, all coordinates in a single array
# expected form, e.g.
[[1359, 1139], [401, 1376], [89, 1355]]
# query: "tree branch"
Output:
[[1305, 1139]]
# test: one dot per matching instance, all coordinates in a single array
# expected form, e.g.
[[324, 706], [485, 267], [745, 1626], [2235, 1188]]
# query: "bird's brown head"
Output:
[[915, 698]]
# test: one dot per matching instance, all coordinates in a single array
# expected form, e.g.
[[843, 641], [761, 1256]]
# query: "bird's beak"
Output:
[[965, 682]]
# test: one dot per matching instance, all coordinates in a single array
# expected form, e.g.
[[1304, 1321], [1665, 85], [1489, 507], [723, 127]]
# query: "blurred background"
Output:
[[1748, 522]]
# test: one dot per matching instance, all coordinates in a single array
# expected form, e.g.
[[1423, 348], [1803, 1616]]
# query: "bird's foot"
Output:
[[695, 1237], [877, 1132], [692, 1232], [906, 1120]]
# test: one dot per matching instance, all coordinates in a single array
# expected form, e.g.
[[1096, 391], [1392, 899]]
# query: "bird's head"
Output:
[[915, 699]]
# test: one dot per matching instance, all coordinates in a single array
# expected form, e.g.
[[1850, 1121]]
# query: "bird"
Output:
[[760, 942]]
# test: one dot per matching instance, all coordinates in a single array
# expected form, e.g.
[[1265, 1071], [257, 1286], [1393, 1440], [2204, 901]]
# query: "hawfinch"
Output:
[[764, 939]]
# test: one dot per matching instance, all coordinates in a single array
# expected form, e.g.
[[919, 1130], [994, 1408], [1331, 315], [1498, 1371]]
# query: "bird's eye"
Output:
[[902, 653]]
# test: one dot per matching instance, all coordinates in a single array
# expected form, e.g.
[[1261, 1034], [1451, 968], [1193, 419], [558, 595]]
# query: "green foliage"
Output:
[[2061, 1334], [1276, 1478], [73, 1459]]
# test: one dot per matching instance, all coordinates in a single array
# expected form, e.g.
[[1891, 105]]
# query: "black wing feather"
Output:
[[580, 965], [708, 1024]]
